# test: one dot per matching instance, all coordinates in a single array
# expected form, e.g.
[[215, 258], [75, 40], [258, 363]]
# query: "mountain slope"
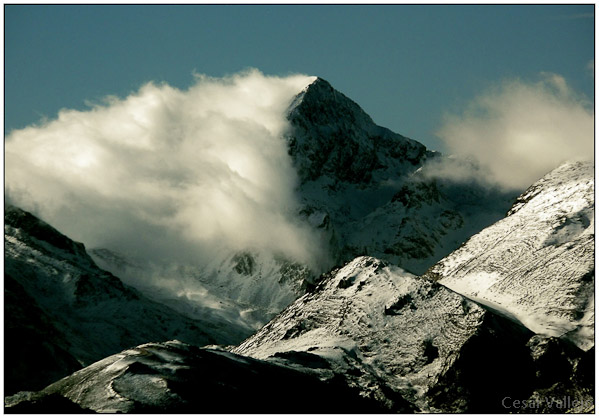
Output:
[[174, 377], [58, 300], [362, 191], [244, 288], [537, 264], [396, 336], [371, 337], [367, 189]]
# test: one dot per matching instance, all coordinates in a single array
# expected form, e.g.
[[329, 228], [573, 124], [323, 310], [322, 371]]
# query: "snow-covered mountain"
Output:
[[536, 264], [396, 336], [368, 189], [247, 288], [369, 338], [435, 341], [62, 312], [363, 190]]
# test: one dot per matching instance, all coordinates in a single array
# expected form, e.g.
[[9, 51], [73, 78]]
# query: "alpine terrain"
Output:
[[62, 312], [430, 295], [363, 190]]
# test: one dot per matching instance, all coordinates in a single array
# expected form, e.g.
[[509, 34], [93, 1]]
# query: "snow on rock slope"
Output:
[[173, 377], [536, 264], [369, 338], [61, 307], [245, 288], [363, 186], [334, 137], [397, 338]]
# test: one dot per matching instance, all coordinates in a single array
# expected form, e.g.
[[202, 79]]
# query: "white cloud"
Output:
[[168, 173], [590, 67], [519, 131]]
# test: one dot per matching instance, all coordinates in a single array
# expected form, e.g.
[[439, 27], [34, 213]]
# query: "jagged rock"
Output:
[[373, 188], [334, 137]]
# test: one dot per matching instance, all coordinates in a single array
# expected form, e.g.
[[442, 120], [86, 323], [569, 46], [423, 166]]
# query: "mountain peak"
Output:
[[320, 102], [332, 136]]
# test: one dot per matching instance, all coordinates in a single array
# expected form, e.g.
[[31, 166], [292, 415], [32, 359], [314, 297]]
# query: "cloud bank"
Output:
[[517, 132], [168, 174]]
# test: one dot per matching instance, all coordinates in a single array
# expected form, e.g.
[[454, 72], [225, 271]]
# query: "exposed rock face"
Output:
[[537, 264], [334, 137], [367, 183]]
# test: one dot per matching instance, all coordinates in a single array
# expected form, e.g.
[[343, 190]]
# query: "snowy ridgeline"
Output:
[[373, 335], [369, 338], [537, 264]]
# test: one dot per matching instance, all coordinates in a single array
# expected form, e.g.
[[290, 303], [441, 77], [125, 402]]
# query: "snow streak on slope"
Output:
[[537, 264]]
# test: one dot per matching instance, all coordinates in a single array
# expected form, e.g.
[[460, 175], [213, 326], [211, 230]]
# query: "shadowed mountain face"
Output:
[[174, 377], [63, 312], [367, 189]]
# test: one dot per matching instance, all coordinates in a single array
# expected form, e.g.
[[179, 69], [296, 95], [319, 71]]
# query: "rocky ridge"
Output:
[[63, 312]]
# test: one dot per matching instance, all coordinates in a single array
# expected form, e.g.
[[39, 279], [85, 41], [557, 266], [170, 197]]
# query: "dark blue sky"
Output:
[[405, 65]]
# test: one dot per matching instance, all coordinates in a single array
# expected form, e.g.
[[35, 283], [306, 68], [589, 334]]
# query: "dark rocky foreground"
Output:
[[174, 377]]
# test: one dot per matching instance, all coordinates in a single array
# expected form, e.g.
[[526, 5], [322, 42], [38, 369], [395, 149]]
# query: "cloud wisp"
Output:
[[169, 174], [518, 132]]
